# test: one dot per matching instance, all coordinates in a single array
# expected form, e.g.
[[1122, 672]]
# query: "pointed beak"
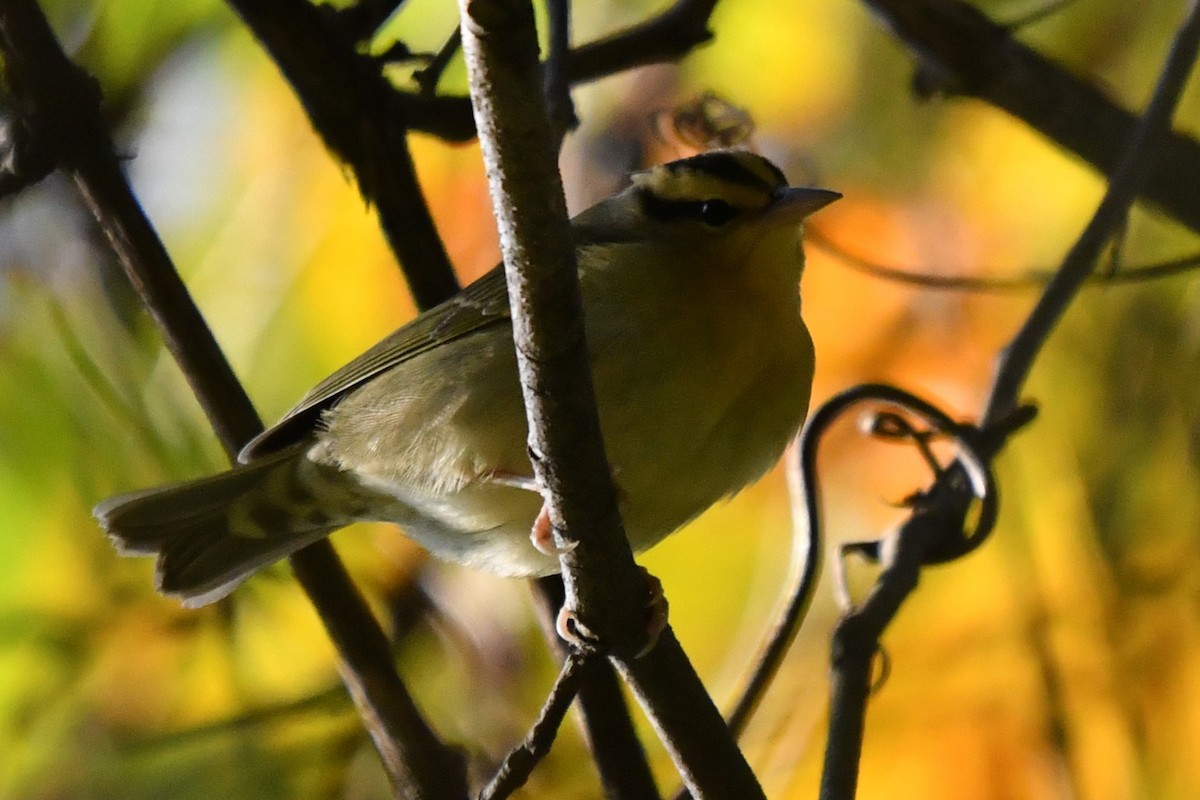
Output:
[[796, 203]]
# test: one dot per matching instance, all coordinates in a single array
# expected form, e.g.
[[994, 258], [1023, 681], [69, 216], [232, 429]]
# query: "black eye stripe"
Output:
[[706, 210]]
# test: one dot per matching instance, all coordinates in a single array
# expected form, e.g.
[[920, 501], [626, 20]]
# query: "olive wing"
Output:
[[482, 304]]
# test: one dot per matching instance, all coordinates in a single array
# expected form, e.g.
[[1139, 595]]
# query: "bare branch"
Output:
[[668, 37], [60, 104], [1127, 179], [565, 442], [347, 101], [934, 531], [962, 52], [601, 579], [624, 771], [519, 763], [1030, 279], [689, 723]]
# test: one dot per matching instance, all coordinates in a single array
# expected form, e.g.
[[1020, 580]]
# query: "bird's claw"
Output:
[[542, 536], [580, 636]]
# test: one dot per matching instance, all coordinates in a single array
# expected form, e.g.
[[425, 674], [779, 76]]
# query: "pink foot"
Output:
[[578, 635], [542, 536]]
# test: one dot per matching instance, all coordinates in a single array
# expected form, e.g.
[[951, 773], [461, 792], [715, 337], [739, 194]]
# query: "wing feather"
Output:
[[480, 305]]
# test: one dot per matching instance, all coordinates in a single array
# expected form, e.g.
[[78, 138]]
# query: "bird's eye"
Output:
[[716, 212]]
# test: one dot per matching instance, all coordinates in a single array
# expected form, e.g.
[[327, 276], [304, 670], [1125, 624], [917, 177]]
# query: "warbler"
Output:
[[702, 369]]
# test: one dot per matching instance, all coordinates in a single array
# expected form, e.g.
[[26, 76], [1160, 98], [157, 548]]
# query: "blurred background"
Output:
[[1062, 660]]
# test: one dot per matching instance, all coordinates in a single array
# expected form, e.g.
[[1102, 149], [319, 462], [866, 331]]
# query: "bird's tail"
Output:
[[211, 534]]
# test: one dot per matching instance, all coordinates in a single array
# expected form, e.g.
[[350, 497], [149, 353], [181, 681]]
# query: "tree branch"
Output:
[[963, 52], [624, 772], [602, 581], [60, 105], [347, 98], [1132, 172], [667, 37], [934, 531], [565, 441], [519, 763]]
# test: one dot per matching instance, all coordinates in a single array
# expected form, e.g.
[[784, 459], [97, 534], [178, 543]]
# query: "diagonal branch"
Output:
[[963, 52], [60, 105], [664, 38], [668, 37], [346, 98], [604, 713], [1133, 171], [519, 763]]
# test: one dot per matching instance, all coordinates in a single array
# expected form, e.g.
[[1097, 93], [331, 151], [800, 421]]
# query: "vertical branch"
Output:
[[602, 582], [60, 105], [556, 82], [566, 446]]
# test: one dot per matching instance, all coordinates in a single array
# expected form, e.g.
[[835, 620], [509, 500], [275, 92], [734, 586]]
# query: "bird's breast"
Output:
[[697, 404]]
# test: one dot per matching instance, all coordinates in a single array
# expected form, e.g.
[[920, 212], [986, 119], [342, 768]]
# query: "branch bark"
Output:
[[620, 759], [963, 52], [667, 37], [347, 98], [566, 446], [601, 579], [59, 104]]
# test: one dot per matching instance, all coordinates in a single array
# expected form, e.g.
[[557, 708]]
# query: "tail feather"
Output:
[[211, 534]]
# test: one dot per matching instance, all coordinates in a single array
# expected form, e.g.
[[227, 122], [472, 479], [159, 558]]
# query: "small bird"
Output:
[[702, 369]]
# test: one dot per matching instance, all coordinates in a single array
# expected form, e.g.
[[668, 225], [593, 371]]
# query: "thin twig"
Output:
[[1032, 279], [61, 105], [667, 37], [428, 76], [604, 713], [519, 763], [326, 702]]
